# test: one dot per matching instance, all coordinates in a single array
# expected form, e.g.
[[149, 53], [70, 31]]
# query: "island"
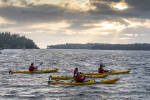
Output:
[[102, 46], [15, 41]]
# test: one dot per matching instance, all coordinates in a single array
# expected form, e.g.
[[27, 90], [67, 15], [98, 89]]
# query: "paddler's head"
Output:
[[102, 65], [32, 64], [76, 69]]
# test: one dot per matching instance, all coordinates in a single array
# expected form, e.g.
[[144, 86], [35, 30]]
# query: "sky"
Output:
[[50, 22]]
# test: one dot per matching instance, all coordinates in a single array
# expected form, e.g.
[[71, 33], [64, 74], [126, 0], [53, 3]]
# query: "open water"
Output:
[[133, 86]]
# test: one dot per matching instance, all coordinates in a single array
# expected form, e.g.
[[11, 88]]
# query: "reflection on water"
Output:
[[133, 86]]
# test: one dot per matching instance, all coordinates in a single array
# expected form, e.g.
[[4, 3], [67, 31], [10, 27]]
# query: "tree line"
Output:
[[102, 46], [15, 41]]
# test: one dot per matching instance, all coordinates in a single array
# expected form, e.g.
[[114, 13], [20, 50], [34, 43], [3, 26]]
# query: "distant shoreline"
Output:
[[102, 46]]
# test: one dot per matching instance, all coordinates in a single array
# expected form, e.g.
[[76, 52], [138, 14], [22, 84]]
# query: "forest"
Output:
[[15, 41]]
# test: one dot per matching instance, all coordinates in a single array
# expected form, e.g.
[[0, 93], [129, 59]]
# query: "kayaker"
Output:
[[75, 71], [78, 77], [101, 69], [32, 67]]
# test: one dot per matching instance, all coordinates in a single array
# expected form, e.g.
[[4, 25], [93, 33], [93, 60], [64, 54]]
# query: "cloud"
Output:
[[35, 12], [93, 20], [139, 5], [5, 21], [42, 13]]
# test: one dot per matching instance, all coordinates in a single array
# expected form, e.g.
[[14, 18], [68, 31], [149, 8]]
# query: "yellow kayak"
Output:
[[69, 77], [109, 73], [34, 72], [109, 81]]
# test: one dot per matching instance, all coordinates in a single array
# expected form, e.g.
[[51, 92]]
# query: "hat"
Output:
[[32, 63], [76, 68], [102, 65]]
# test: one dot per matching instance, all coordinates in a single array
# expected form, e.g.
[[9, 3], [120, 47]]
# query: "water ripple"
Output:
[[133, 86]]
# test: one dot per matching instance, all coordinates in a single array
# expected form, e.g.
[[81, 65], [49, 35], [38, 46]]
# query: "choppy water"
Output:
[[133, 86]]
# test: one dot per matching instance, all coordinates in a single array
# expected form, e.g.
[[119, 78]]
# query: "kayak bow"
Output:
[[34, 72], [110, 81]]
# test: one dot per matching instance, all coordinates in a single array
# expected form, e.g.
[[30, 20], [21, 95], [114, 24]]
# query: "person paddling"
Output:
[[32, 67], [101, 69], [77, 76]]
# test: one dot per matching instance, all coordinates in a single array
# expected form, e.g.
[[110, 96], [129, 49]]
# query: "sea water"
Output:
[[133, 86]]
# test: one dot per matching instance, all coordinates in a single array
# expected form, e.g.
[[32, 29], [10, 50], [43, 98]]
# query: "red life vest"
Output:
[[101, 70], [32, 68], [79, 78]]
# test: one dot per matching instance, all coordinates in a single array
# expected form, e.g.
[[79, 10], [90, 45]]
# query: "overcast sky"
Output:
[[49, 22]]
